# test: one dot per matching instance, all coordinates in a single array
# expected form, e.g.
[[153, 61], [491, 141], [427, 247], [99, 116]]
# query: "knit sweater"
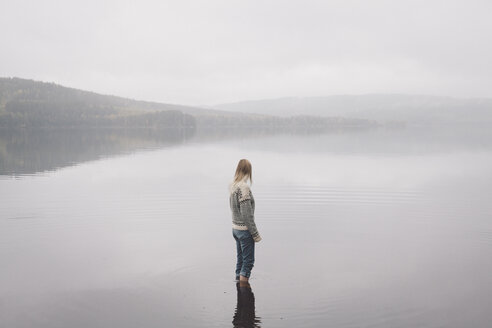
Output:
[[242, 206]]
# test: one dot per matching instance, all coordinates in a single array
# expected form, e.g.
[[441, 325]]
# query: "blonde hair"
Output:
[[243, 173]]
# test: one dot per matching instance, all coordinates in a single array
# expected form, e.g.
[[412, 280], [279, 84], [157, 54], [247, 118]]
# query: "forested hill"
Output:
[[28, 103], [35, 104]]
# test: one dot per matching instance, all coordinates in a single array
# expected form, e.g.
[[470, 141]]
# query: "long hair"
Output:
[[242, 175], [243, 172]]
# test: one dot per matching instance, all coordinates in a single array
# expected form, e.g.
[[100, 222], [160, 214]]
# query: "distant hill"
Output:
[[28, 103], [381, 107]]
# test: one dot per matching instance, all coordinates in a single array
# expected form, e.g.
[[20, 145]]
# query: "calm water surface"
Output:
[[360, 229]]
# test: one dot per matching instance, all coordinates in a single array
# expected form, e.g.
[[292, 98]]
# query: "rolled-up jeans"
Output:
[[245, 246]]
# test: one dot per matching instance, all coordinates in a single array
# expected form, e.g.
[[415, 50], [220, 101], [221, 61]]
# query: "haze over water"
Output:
[[374, 228]]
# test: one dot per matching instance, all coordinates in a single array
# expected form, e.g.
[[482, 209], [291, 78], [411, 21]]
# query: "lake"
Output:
[[366, 228]]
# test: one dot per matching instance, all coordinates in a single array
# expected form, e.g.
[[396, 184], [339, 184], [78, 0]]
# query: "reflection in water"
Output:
[[30, 151], [245, 309], [36, 150]]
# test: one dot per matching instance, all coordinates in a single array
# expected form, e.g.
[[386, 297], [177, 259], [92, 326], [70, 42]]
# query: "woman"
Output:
[[244, 228]]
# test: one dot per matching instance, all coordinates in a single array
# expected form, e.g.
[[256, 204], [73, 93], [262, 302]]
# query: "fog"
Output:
[[205, 53], [367, 123]]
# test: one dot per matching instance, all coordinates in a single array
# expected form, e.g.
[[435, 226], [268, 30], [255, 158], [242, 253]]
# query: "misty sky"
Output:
[[212, 51]]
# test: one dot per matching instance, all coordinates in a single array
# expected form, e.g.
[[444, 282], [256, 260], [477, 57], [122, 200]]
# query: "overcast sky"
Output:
[[206, 52]]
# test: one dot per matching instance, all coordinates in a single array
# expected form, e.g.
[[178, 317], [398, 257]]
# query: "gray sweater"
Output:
[[242, 206]]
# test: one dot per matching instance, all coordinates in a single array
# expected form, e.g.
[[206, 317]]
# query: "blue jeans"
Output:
[[245, 246]]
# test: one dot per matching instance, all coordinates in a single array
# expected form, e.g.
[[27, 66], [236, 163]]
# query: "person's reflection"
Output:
[[245, 309]]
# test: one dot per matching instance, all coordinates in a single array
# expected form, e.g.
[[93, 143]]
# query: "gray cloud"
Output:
[[206, 52]]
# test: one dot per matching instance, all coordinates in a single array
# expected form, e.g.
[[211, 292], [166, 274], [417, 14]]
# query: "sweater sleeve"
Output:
[[247, 214]]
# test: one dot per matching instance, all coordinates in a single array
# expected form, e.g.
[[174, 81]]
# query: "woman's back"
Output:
[[244, 229]]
